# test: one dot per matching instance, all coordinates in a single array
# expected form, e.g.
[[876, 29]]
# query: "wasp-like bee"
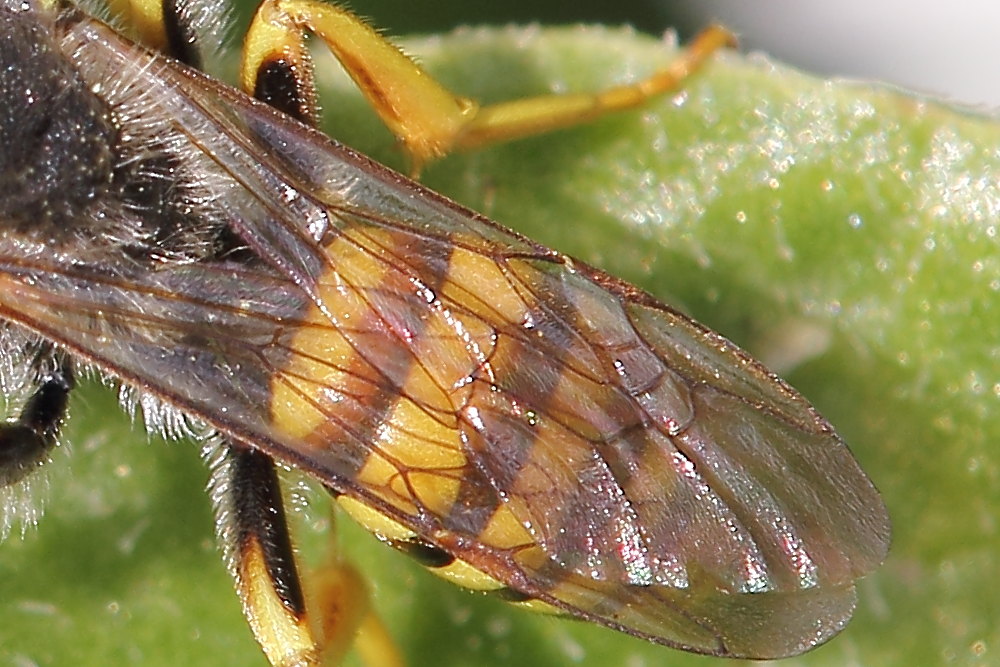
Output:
[[521, 422]]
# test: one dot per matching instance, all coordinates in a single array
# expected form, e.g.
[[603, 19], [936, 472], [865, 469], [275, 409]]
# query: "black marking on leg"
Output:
[[260, 518], [25, 443], [182, 38], [279, 85]]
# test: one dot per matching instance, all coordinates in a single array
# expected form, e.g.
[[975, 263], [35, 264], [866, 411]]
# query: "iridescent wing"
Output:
[[556, 430]]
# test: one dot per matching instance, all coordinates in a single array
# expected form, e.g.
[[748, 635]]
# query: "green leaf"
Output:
[[844, 233]]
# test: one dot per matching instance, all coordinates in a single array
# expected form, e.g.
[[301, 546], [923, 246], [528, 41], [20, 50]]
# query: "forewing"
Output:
[[549, 425]]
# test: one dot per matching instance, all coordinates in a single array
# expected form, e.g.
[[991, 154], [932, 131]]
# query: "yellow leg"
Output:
[[537, 115], [145, 18], [296, 625], [340, 600], [428, 119], [375, 645], [253, 532]]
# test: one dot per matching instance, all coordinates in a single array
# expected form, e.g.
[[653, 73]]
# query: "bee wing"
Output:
[[556, 429]]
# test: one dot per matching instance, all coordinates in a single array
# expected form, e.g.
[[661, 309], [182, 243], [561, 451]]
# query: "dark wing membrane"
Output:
[[556, 429]]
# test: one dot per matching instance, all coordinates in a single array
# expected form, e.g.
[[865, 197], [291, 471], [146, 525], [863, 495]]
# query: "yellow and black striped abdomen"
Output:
[[390, 380], [532, 425]]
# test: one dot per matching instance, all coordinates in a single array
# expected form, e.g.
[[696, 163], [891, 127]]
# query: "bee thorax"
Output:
[[56, 135]]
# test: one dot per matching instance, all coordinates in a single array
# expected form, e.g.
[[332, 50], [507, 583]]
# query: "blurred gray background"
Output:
[[945, 49]]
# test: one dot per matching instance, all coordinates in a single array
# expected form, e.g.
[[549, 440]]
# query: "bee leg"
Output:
[[339, 593], [25, 443], [428, 119], [168, 26], [252, 528]]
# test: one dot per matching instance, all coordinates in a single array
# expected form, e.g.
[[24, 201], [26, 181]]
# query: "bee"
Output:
[[522, 423]]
